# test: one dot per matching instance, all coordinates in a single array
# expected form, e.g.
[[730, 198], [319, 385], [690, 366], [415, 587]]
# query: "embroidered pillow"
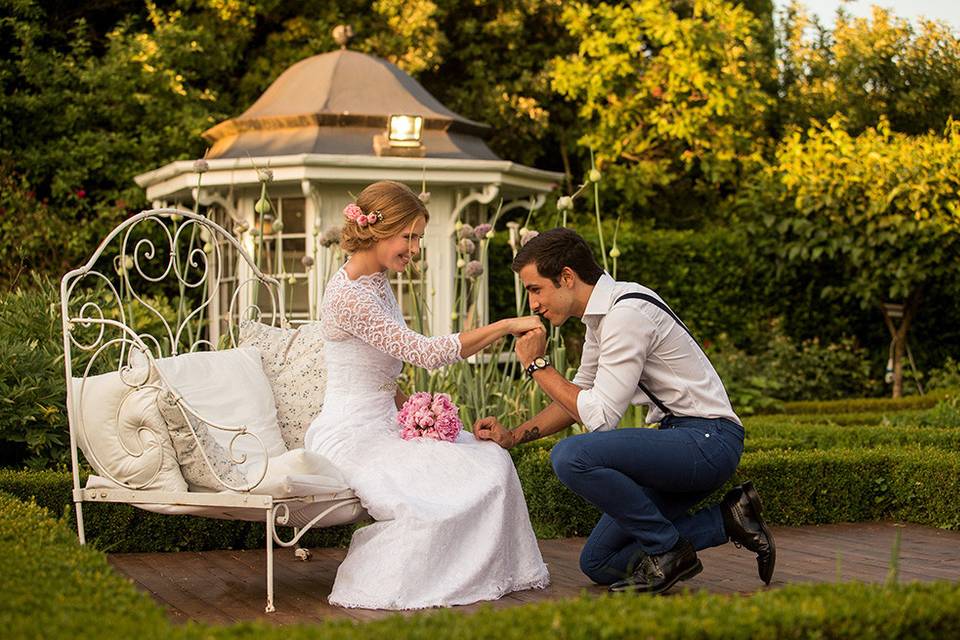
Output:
[[294, 364], [222, 472]]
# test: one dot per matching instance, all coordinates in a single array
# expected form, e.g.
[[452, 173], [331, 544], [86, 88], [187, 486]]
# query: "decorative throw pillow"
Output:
[[294, 364], [228, 388], [121, 432], [222, 472]]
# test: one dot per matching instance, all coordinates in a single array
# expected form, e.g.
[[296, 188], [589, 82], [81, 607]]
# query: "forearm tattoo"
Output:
[[530, 434]]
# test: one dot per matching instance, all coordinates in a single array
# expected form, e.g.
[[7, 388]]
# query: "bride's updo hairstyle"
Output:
[[395, 208]]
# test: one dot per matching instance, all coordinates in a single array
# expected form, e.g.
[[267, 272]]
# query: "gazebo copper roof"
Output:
[[335, 103]]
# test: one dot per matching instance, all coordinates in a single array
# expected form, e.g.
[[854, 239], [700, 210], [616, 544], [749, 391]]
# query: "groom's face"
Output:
[[547, 299]]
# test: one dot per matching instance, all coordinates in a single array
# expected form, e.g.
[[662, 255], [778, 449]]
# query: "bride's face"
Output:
[[395, 253]]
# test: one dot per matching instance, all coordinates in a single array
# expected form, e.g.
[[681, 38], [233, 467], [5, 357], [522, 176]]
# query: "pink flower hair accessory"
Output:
[[355, 214]]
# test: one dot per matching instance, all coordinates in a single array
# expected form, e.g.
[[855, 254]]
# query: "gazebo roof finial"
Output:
[[342, 34]]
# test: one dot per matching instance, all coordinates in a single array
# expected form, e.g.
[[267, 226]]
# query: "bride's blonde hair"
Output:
[[397, 208]]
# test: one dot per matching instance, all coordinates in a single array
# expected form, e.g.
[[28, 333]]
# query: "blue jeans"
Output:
[[645, 481]]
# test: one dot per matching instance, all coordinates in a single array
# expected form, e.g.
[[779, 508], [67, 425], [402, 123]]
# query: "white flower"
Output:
[[565, 203], [264, 175], [461, 263], [595, 175], [424, 197]]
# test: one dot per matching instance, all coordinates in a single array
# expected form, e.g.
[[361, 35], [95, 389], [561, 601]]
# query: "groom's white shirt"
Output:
[[635, 340]]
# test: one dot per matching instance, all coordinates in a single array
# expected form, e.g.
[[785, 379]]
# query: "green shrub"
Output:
[[856, 405], [819, 436], [918, 611], [53, 588]]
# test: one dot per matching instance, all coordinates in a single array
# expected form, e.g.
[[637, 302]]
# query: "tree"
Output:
[[883, 207], [672, 94], [868, 68]]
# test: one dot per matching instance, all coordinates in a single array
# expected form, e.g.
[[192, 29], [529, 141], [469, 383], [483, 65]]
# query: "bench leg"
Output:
[[80, 532], [270, 608]]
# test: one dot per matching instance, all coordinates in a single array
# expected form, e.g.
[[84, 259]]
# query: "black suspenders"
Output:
[[659, 303]]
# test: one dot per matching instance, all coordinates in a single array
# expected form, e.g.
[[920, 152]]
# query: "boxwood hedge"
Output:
[[52, 587]]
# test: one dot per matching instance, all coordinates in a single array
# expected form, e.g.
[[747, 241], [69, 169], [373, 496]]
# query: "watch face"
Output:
[[540, 362]]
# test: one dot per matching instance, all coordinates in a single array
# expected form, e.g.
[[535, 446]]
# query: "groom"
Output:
[[636, 351]]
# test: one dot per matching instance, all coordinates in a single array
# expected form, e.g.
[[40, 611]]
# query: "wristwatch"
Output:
[[538, 363]]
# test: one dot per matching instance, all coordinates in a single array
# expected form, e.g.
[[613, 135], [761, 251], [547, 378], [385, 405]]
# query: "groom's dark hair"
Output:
[[555, 249]]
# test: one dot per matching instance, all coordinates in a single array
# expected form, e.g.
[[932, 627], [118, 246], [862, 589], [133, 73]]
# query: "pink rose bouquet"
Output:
[[433, 416]]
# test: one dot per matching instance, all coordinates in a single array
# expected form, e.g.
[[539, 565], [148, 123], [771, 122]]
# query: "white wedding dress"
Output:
[[451, 523]]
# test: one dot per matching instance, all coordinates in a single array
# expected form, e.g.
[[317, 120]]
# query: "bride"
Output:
[[451, 525]]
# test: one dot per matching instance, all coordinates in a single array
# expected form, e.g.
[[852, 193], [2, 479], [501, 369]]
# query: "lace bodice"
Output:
[[365, 309]]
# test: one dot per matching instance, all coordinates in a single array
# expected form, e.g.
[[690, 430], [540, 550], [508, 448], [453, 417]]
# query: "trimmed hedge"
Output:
[[854, 405], [920, 485], [54, 588], [821, 436], [916, 484]]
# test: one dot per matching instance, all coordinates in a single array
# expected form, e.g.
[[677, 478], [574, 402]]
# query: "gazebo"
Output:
[[329, 125]]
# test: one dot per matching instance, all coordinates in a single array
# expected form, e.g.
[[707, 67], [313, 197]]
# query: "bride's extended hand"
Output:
[[523, 324]]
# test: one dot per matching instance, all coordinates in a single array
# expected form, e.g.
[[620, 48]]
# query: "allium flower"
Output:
[[527, 237], [465, 231], [331, 237], [424, 197], [262, 206], [564, 202], [467, 245], [474, 269], [483, 231], [615, 252], [264, 175], [306, 261], [595, 175], [461, 263], [201, 166]]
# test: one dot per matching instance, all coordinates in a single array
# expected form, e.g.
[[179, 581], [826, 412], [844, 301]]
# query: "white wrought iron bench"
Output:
[[164, 283]]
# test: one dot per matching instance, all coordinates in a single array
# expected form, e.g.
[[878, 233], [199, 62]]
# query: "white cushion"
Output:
[[297, 473], [116, 421], [228, 388], [294, 363]]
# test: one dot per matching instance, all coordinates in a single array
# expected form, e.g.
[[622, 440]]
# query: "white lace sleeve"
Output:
[[360, 313]]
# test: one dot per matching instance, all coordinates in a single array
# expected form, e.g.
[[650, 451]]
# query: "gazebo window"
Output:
[[284, 247]]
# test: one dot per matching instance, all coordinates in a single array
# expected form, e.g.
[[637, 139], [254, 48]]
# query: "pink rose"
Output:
[[352, 212], [371, 218]]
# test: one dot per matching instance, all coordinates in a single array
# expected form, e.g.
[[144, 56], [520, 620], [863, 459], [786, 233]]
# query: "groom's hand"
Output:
[[530, 345], [489, 428]]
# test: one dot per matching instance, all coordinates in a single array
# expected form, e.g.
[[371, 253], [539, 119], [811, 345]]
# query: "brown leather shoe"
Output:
[[742, 519], [657, 573]]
